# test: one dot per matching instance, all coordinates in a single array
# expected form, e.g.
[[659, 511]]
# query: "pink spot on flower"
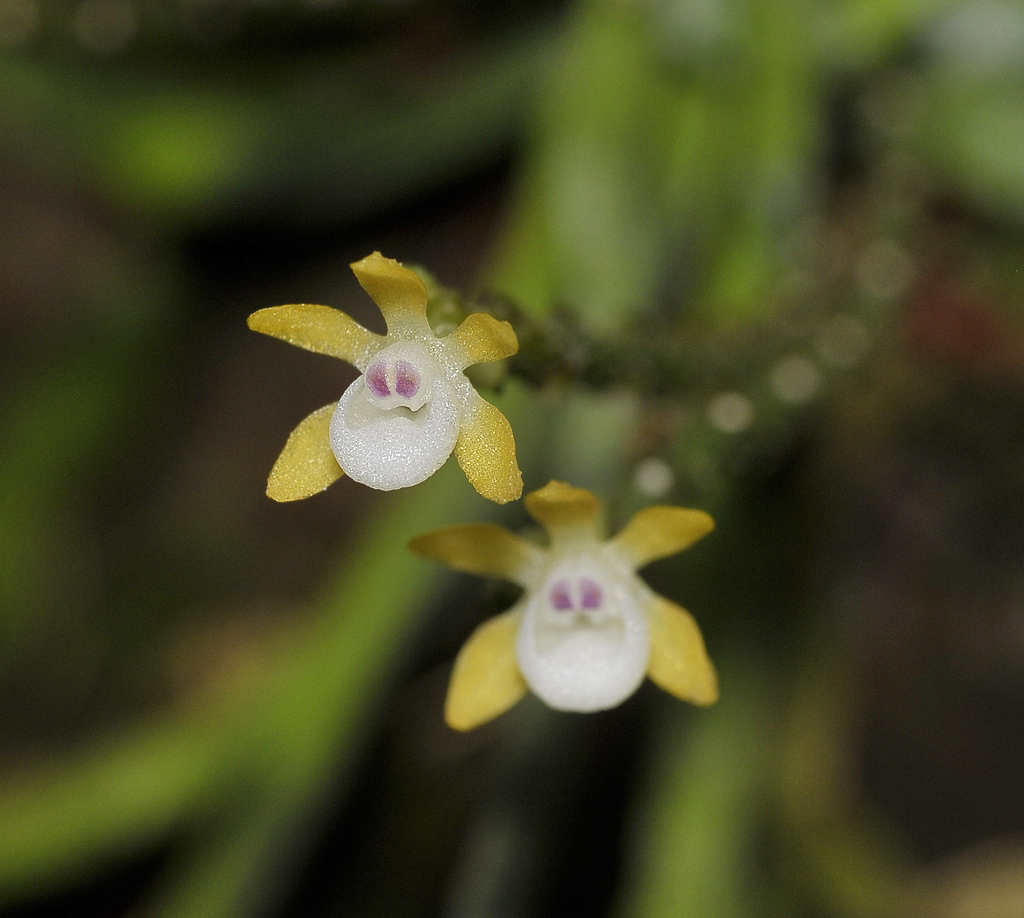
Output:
[[407, 379], [560, 597], [591, 595], [377, 379]]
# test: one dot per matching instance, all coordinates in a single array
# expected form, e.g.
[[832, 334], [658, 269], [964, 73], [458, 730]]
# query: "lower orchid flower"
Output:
[[587, 629], [412, 406]]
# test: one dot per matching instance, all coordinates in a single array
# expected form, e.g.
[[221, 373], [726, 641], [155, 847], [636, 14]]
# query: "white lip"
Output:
[[584, 660], [396, 447]]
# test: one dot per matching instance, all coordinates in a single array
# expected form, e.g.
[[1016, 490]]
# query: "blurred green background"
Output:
[[765, 258]]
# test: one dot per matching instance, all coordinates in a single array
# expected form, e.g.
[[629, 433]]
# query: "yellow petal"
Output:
[[657, 532], [564, 510], [479, 548], [319, 329], [486, 680], [483, 338], [679, 661], [399, 293], [486, 450], [306, 465]]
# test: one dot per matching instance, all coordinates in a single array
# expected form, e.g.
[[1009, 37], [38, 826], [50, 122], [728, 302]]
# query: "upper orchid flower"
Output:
[[587, 629], [411, 407]]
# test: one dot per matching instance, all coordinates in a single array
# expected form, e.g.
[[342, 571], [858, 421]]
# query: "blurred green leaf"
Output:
[[707, 796], [973, 134], [337, 136], [259, 759]]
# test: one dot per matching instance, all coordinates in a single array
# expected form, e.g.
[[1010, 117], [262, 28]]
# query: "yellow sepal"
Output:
[[319, 329], [399, 293], [306, 465], [480, 548], [679, 661], [486, 680], [564, 510], [657, 532], [482, 338], [486, 451]]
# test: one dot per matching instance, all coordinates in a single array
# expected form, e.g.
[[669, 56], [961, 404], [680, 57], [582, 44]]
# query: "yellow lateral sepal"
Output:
[[679, 661], [486, 451], [486, 680], [306, 465]]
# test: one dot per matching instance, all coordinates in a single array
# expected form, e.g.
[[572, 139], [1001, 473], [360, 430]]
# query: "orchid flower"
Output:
[[587, 629], [412, 405]]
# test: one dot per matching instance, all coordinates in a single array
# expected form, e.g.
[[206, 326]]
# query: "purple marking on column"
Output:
[[560, 596], [377, 379], [407, 379], [591, 595]]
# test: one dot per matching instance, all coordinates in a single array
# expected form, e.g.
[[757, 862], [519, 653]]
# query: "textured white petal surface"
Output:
[[584, 644], [390, 434]]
